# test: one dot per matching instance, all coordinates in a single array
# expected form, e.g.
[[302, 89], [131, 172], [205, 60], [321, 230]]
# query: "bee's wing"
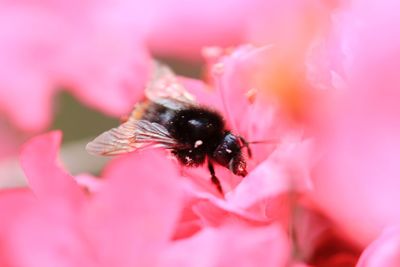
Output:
[[165, 89], [130, 136]]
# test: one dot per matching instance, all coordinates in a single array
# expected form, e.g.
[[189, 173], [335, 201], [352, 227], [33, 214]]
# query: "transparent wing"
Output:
[[130, 136], [165, 89]]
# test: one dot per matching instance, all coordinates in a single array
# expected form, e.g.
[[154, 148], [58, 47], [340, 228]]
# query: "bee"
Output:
[[170, 118]]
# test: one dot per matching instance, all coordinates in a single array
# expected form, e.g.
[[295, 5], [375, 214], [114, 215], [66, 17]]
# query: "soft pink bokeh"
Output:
[[197, 215], [63, 225], [357, 180], [279, 165], [384, 251], [86, 47], [98, 50], [320, 82], [129, 221]]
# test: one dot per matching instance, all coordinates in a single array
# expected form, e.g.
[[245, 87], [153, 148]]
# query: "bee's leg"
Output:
[[247, 145], [214, 178]]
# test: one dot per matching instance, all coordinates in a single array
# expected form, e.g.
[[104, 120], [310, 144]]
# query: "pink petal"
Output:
[[317, 240], [36, 233], [126, 222], [43, 238], [112, 90], [168, 37], [43, 231], [189, 223], [284, 172], [239, 80], [357, 180], [232, 77], [12, 203], [384, 251], [89, 48], [46, 179], [300, 264], [292, 25], [230, 245], [204, 93], [29, 236], [136, 211], [91, 183]]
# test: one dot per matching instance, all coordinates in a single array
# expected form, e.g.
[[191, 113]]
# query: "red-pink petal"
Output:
[[358, 177], [230, 245], [384, 251], [39, 238], [135, 212], [47, 180], [93, 49], [238, 78], [91, 183], [284, 172], [43, 231], [168, 37]]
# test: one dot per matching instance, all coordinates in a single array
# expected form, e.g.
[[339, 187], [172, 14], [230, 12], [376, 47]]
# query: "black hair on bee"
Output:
[[171, 118]]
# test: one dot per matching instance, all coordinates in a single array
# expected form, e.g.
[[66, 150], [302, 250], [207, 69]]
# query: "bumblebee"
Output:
[[171, 118]]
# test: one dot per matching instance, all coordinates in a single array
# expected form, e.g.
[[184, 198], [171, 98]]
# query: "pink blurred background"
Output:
[[331, 67]]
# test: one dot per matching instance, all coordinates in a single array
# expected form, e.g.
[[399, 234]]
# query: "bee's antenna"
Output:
[[247, 144], [266, 142]]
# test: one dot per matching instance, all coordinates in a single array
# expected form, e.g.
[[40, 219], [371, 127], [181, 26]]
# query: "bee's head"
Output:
[[229, 154], [238, 165]]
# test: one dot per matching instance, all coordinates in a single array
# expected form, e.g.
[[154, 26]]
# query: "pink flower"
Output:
[[98, 51], [317, 194], [123, 225], [356, 181], [82, 46], [278, 166], [129, 221], [230, 245], [207, 23], [277, 170], [384, 251]]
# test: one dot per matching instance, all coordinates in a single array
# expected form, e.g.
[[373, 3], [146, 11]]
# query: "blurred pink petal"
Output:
[[231, 245], [384, 251], [206, 24], [238, 77], [44, 231], [276, 169], [12, 204], [292, 25], [357, 180], [135, 215], [13, 201], [232, 75], [262, 196], [46, 179], [285, 170], [317, 240], [99, 50], [91, 183], [300, 264], [205, 94], [84, 47], [131, 217]]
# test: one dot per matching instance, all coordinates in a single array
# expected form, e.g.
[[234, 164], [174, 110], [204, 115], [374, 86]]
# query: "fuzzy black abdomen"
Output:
[[159, 114], [197, 127]]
